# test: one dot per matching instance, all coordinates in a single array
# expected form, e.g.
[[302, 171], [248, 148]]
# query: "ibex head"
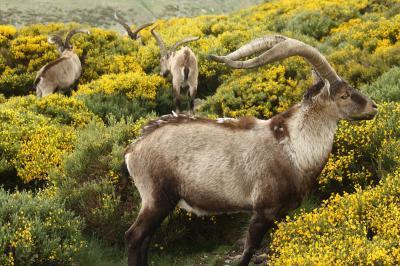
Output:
[[66, 45], [330, 92], [134, 35], [166, 54]]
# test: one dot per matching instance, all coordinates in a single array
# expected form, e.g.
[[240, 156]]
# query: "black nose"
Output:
[[374, 106]]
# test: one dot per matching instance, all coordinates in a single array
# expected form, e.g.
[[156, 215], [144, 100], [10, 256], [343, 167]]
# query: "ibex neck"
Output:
[[311, 138]]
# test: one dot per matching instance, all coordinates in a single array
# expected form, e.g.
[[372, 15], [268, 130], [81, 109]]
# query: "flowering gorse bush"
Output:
[[359, 228], [260, 93], [37, 230], [36, 133], [135, 84], [356, 149]]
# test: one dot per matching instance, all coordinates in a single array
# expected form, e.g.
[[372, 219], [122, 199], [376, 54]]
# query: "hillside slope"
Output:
[[70, 146]]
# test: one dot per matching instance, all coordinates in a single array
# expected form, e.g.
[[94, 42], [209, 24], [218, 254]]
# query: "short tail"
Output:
[[186, 69], [186, 73]]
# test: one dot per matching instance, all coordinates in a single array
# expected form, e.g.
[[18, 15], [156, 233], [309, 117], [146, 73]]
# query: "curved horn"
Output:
[[132, 35], [255, 46], [72, 33], [186, 40], [141, 27], [160, 42], [279, 47]]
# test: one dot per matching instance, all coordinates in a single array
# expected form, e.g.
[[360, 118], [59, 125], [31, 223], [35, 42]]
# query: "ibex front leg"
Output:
[[259, 225]]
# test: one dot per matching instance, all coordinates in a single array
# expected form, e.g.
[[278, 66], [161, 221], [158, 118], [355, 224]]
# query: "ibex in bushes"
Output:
[[183, 67], [265, 167], [61, 73], [134, 35]]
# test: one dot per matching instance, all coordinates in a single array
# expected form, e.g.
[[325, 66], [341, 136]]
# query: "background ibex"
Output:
[[183, 67], [134, 35], [61, 73], [265, 167]]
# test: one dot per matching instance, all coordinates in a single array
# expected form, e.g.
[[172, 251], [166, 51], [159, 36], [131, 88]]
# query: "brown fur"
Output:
[[240, 124], [47, 67], [278, 124], [313, 90], [358, 98]]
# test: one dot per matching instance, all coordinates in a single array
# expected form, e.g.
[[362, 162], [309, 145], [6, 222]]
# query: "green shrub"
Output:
[[114, 105], [386, 87], [37, 230], [16, 84], [92, 182], [313, 24]]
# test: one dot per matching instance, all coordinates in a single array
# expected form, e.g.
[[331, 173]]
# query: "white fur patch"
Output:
[[310, 145], [127, 163], [184, 205]]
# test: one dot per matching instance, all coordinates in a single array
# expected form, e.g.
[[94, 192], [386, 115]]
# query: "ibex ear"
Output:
[[325, 93], [313, 92], [316, 76]]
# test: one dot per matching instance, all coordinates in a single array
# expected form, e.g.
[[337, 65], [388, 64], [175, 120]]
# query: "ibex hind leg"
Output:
[[190, 103], [192, 95], [140, 233], [177, 97]]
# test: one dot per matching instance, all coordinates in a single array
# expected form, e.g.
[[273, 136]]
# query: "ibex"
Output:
[[134, 35], [61, 73], [183, 67], [265, 167]]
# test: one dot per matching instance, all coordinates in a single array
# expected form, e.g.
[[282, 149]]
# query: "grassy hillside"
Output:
[[100, 13], [61, 164]]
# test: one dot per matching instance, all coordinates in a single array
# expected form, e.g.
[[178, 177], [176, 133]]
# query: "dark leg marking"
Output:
[[145, 248], [139, 234], [259, 225]]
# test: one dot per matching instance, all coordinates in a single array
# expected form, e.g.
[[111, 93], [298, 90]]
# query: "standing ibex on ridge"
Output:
[[61, 73], [183, 67], [265, 167], [134, 35]]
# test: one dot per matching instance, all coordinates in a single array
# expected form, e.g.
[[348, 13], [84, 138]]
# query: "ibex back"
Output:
[[265, 167]]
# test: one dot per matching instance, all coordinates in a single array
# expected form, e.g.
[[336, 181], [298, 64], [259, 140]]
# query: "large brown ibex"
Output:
[[183, 67], [134, 35], [265, 167], [61, 73]]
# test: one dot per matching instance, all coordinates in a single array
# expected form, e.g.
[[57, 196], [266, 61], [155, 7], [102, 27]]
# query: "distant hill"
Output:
[[99, 13]]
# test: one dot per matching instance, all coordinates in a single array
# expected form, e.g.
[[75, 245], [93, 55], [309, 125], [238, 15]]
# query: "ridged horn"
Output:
[[72, 33], [126, 26], [186, 40], [160, 42], [279, 47], [141, 27]]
